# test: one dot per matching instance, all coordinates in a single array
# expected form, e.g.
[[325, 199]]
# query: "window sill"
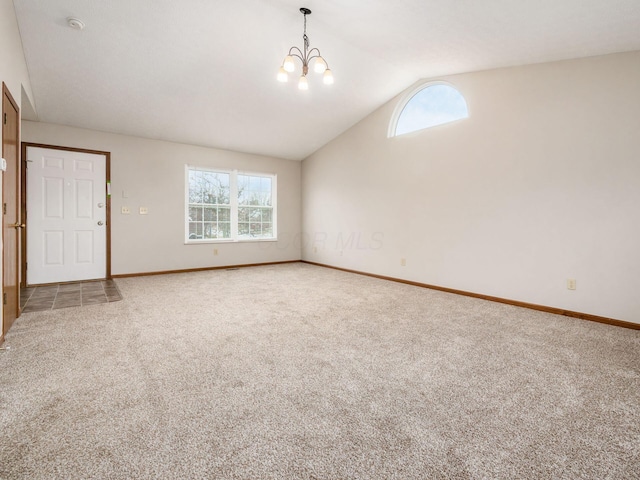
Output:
[[228, 240]]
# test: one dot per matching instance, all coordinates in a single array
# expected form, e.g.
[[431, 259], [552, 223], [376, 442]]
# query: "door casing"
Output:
[[11, 213], [23, 201]]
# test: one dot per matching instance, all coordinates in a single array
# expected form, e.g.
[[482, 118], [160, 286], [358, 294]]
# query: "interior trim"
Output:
[[200, 269], [23, 202], [6, 93], [532, 306]]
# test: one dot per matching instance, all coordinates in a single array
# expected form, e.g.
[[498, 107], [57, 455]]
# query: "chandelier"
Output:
[[305, 56]]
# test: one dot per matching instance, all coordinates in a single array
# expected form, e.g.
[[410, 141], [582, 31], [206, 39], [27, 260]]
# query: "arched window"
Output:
[[430, 105]]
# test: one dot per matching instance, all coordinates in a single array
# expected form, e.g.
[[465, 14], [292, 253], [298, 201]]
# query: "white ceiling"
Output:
[[203, 72]]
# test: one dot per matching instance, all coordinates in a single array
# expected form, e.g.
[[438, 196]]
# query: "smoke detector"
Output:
[[75, 23]]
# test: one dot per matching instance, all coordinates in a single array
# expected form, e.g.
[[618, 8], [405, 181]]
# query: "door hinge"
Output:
[[5, 118], [4, 208], [4, 298]]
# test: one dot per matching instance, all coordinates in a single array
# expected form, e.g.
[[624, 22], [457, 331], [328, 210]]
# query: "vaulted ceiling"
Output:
[[203, 72]]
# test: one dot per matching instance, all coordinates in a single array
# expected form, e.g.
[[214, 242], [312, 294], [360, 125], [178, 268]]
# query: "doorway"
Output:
[[11, 225], [66, 205]]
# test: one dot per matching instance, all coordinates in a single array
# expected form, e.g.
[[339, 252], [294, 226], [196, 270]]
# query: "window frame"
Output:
[[406, 98], [233, 203]]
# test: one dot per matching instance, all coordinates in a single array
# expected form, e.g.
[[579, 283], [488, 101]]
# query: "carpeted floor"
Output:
[[296, 371]]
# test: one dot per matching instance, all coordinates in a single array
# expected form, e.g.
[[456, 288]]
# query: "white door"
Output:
[[66, 216]]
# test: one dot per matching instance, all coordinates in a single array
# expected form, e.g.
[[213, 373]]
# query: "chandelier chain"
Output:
[[305, 38]]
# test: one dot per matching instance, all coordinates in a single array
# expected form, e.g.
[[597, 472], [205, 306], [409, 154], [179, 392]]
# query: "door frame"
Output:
[[23, 201], [7, 93]]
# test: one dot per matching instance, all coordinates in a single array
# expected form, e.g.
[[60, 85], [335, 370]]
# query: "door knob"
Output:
[[100, 223], [17, 225], [100, 205]]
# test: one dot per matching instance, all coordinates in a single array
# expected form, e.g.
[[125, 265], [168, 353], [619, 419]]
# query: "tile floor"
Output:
[[48, 297]]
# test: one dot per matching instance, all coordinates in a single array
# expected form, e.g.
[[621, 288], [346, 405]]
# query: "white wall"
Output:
[[13, 68], [540, 184], [152, 174]]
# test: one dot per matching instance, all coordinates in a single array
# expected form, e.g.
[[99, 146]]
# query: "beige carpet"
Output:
[[297, 371]]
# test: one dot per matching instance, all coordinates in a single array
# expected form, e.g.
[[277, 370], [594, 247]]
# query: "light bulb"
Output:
[[282, 75], [303, 84], [320, 65], [288, 64], [327, 78]]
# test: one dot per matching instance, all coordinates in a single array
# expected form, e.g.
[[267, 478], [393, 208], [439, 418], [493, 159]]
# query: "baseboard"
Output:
[[533, 306], [200, 269]]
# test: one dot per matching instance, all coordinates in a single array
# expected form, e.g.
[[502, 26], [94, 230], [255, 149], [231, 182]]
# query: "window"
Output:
[[209, 204], [427, 107], [255, 210], [229, 206]]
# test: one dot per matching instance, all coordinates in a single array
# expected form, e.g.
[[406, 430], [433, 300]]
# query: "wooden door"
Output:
[[67, 215], [11, 225]]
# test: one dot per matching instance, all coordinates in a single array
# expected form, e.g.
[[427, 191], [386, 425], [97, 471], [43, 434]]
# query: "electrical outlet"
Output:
[[315, 249], [571, 283], [215, 251], [144, 210], [125, 210], [403, 262]]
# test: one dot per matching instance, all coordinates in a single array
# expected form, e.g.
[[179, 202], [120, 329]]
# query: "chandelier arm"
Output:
[[312, 55], [300, 55]]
